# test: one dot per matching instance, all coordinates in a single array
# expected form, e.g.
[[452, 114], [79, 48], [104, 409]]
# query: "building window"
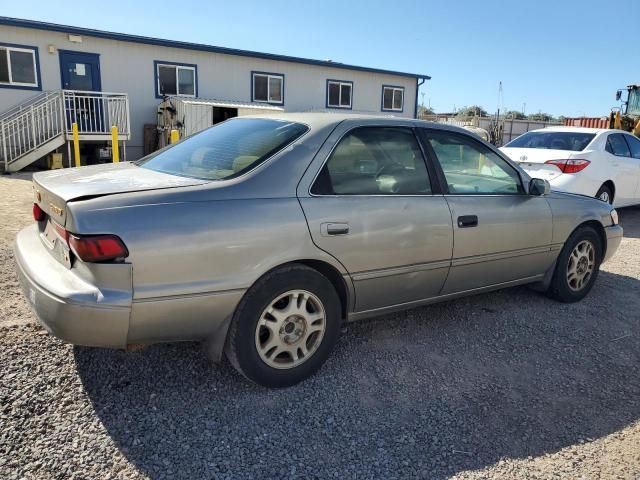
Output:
[[339, 94], [176, 79], [19, 66], [392, 98], [267, 87]]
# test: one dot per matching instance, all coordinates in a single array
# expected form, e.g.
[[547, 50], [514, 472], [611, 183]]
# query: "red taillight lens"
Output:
[[62, 233], [98, 248], [569, 166], [38, 213]]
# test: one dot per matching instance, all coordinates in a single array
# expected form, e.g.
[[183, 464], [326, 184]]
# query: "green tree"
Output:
[[473, 110], [423, 111], [540, 117], [514, 114]]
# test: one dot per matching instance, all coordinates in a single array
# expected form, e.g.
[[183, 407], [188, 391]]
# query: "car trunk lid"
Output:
[[532, 160], [55, 188]]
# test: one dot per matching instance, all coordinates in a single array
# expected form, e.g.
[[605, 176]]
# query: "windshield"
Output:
[[572, 141], [226, 150]]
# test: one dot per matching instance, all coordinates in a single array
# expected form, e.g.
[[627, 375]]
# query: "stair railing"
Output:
[[30, 125]]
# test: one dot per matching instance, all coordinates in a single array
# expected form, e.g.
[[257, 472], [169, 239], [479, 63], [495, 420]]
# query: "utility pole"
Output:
[[524, 107]]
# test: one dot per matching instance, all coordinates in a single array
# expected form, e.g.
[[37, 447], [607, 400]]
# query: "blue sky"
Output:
[[565, 57]]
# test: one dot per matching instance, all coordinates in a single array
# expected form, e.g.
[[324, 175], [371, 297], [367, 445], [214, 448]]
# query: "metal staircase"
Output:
[[42, 124]]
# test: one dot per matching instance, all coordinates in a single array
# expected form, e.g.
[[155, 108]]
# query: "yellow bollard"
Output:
[[76, 143], [175, 136], [115, 152]]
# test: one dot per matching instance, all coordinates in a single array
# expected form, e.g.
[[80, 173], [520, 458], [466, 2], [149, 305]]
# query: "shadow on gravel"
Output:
[[630, 221], [424, 394]]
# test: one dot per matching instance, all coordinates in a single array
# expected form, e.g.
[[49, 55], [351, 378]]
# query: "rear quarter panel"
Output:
[[193, 260]]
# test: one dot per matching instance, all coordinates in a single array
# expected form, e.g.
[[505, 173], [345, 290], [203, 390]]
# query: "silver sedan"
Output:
[[261, 236]]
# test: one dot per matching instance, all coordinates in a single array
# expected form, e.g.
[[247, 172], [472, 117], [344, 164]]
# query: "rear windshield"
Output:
[[572, 141], [226, 150]]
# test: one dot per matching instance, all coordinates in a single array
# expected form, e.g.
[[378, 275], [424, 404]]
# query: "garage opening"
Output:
[[191, 115], [220, 114]]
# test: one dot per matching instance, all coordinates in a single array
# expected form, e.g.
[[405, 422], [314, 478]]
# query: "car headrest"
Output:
[[243, 161]]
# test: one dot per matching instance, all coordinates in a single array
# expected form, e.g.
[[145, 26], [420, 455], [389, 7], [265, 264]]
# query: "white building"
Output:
[[44, 66]]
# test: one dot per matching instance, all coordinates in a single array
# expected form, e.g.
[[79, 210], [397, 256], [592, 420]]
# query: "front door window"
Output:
[[471, 168]]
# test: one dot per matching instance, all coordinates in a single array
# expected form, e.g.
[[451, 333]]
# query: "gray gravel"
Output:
[[504, 385]]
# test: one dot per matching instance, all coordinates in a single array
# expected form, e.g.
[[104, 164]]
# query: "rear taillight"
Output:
[[38, 213], [569, 166], [98, 248], [92, 248], [62, 233]]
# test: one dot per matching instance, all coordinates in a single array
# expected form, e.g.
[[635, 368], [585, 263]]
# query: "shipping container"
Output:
[[588, 122]]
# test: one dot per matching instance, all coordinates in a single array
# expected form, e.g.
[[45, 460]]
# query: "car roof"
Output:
[[562, 128], [324, 119]]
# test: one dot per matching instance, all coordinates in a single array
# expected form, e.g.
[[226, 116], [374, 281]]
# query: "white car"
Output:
[[596, 162]]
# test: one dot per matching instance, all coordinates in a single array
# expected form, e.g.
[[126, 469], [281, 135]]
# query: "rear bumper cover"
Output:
[[575, 183], [72, 308], [66, 305], [614, 237]]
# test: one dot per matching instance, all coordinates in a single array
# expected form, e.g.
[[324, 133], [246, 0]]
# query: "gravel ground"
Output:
[[503, 385]]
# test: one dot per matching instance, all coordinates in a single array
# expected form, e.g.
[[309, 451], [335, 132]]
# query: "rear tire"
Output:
[[285, 327], [577, 266], [605, 194]]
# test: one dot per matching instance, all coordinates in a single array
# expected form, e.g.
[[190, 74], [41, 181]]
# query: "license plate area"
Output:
[[56, 244]]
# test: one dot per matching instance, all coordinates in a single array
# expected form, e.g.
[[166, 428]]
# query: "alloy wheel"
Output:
[[581, 265], [290, 329]]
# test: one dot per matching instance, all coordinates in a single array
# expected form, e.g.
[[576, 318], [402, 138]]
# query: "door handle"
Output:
[[334, 229], [466, 221]]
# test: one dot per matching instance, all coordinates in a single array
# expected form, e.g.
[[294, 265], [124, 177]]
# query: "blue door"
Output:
[[81, 72]]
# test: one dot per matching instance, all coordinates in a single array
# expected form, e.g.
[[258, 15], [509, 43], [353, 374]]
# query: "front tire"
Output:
[[285, 327], [577, 266]]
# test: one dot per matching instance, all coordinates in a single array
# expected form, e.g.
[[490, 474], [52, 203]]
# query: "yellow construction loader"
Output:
[[627, 117]]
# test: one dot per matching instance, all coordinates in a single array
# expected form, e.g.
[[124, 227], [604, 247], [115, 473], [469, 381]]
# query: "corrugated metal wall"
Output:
[[588, 122], [512, 128]]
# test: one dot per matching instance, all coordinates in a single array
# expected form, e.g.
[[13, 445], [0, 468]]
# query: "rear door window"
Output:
[[616, 145], [375, 161], [634, 145]]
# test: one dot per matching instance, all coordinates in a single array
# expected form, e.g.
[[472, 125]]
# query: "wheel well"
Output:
[[612, 187], [336, 279], [597, 226], [215, 343]]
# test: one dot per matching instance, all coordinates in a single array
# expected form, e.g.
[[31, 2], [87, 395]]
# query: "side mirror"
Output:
[[538, 186], [618, 95]]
